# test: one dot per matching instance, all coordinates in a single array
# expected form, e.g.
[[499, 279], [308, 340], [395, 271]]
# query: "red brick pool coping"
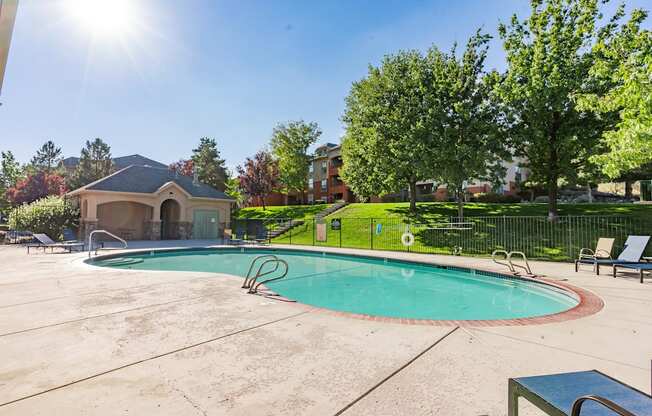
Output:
[[589, 304]]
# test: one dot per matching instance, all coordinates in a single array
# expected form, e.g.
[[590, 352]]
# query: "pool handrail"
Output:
[[506, 254], [247, 281], [527, 265], [90, 240], [255, 284]]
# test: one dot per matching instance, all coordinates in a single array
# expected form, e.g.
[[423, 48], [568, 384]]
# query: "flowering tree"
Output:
[[259, 176], [35, 187], [183, 167]]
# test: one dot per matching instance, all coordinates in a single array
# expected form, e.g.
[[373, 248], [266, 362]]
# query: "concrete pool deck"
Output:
[[76, 339]]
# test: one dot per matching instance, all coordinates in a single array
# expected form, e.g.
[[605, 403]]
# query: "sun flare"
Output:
[[105, 18]]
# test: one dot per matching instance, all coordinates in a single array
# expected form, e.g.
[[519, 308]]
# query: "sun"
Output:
[[104, 18]]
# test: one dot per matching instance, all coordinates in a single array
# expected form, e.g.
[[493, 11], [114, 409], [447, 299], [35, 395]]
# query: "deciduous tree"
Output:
[[549, 57], [468, 142], [183, 167], [623, 68], [388, 128], [289, 144], [259, 177], [36, 186]]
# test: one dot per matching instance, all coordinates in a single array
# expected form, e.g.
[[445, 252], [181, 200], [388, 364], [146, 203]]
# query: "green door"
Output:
[[205, 224]]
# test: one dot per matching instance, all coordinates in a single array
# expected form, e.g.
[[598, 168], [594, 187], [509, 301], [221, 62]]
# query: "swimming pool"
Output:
[[372, 286]]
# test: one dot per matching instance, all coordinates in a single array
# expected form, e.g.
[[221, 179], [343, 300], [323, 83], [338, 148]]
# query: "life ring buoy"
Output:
[[407, 239]]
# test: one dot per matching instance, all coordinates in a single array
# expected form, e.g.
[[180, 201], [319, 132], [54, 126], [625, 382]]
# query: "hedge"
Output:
[[50, 215]]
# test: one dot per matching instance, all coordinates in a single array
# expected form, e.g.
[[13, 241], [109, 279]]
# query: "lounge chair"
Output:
[[578, 393], [69, 236], [262, 236], [641, 268], [602, 251], [46, 242], [631, 254], [239, 236]]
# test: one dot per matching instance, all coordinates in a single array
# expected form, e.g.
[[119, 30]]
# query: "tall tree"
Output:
[[259, 177], [623, 66], [47, 158], [549, 57], [95, 162], [209, 164], [10, 173], [388, 129], [289, 145], [468, 143]]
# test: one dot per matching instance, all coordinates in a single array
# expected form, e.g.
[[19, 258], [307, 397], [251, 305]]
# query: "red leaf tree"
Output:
[[35, 187], [259, 177], [183, 167]]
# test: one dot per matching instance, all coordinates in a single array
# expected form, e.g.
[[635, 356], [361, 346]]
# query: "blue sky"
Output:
[[228, 70]]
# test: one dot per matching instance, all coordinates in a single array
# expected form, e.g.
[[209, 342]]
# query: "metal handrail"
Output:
[[577, 406], [247, 282], [90, 240], [254, 285], [527, 265], [506, 254]]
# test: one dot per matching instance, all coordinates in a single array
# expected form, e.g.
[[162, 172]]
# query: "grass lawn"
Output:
[[444, 210], [295, 212], [491, 226]]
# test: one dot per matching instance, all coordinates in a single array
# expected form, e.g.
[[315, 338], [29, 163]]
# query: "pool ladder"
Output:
[[251, 281], [510, 264]]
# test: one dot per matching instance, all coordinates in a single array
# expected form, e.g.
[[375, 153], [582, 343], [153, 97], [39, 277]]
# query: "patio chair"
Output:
[[631, 254], [46, 242], [579, 393], [69, 236], [262, 235], [641, 268], [239, 235], [602, 251]]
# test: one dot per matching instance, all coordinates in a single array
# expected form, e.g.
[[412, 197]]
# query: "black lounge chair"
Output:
[[239, 236], [638, 267], [631, 254], [579, 393], [43, 241]]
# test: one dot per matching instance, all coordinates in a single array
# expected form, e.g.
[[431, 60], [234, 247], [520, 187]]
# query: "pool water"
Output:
[[372, 286]]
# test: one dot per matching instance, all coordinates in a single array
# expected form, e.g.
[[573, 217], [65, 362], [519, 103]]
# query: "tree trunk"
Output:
[[553, 174], [590, 193], [413, 196], [460, 205], [262, 201], [628, 190]]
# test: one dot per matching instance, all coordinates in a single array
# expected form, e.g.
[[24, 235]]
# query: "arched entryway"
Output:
[[170, 214]]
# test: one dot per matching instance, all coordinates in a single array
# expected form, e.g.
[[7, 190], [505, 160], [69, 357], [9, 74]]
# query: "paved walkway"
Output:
[[76, 339]]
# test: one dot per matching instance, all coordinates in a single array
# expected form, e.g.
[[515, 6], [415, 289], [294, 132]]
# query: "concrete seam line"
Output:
[[153, 305], [154, 357], [552, 347], [95, 293], [395, 372]]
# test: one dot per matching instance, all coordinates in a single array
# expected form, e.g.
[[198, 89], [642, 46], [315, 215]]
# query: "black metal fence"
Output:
[[537, 237]]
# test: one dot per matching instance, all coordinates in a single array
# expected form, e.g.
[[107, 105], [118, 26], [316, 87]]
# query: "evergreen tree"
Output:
[[209, 165]]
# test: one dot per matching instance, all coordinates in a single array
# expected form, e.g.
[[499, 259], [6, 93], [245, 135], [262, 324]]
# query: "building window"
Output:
[[324, 185], [311, 168], [310, 184], [324, 167]]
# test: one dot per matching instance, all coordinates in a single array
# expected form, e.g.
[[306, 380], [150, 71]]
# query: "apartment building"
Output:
[[324, 182]]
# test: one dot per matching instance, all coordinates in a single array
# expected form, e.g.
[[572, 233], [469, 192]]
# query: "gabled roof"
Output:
[[138, 160], [148, 180], [120, 162]]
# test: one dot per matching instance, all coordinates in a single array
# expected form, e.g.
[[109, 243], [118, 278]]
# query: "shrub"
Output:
[[49, 216], [493, 198]]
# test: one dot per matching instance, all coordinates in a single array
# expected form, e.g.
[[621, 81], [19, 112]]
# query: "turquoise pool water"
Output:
[[372, 286]]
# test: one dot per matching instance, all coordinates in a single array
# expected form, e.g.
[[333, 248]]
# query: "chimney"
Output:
[[195, 178]]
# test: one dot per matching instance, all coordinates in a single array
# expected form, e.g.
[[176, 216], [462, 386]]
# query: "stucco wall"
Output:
[[124, 219]]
